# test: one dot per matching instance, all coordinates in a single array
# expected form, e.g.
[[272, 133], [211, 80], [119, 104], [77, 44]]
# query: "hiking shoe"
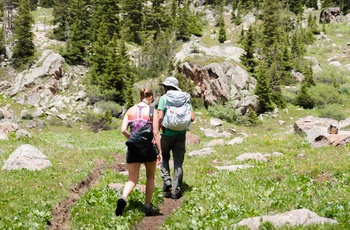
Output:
[[176, 194], [167, 194], [149, 210], [167, 186], [120, 206]]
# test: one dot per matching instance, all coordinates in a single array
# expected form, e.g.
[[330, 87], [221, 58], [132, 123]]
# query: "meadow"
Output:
[[317, 179]]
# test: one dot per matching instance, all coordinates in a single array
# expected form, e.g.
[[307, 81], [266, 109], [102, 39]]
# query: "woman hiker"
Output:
[[133, 118]]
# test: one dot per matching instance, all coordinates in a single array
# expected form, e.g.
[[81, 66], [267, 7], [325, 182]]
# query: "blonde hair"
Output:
[[145, 93]]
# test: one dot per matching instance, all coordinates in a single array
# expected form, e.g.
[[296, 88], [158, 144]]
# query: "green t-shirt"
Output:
[[161, 106]]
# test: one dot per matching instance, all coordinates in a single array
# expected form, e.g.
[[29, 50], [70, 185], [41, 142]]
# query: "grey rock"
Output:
[[26, 157]]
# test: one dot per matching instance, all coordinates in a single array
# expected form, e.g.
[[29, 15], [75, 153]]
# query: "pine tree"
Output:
[[262, 89], [275, 81], [46, 3], [309, 79], [247, 57], [271, 33], [222, 31], [157, 18], [287, 66], [78, 38], [303, 97], [98, 61], [107, 11], [2, 42], [115, 72], [132, 20], [24, 48], [61, 20], [182, 24]]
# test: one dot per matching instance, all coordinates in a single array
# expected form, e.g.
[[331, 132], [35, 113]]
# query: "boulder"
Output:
[[27, 157]]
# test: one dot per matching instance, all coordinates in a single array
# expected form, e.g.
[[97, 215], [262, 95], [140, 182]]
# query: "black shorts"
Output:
[[135, 157]]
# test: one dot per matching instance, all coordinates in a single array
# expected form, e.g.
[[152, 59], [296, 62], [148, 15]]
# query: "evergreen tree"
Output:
[[46, 3], [2, 42], [275, 81], [195, 25], [295, 6], [182, 24], [309, 79], [304, 98], [247, 58], [157, 19], [132, 20], [116, 71], [61, 20], [98, 61], [78, 38], [270, 29], [262, 89], [107, 11], [222, 31], [287, 66], [24, 48]]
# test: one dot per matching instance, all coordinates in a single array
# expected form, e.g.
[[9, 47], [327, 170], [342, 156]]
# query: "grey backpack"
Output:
[[178, 111]]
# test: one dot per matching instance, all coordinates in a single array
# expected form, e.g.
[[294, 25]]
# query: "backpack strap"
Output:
[[151, 110], [139, 113]]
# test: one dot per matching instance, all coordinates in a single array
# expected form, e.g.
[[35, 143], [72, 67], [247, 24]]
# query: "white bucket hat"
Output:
[[173, 82]]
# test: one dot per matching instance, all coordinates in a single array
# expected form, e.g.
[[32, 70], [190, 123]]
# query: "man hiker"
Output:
[[173, 140]]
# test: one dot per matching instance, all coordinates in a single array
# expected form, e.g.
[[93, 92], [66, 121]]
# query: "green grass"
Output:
[[314, 178], [213, 199]]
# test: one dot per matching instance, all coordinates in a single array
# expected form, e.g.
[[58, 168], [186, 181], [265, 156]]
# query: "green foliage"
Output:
[[2, 42], [263, 90], [109, 68], [334, 111], [250, 119], [132, 20], [248, 43], [46, 3], [196, 25], [182, 23], [99, 122], [24, 49], [304, 98], [222, 31], [61, 20], [222, 112], [108, 13], [78, 39], [324, 95], [113, 108]]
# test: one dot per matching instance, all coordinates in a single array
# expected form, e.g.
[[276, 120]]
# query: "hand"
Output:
[[159, 158]]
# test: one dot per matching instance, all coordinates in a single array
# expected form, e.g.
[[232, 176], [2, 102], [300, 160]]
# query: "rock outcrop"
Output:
[[222, 82]]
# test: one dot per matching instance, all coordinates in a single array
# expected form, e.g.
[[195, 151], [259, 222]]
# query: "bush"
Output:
[[334, 111], [98, 122], [345, 88], [219, 111], [323, 95], [111, 106]]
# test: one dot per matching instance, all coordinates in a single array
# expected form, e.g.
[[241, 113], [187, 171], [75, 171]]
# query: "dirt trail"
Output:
[[61, 213], [165, 210]]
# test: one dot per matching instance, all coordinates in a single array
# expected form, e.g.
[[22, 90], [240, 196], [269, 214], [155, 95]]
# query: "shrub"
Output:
[[111, 106], [98, 122], [334, 111], [323, 95], [345, 88], [222, 112]]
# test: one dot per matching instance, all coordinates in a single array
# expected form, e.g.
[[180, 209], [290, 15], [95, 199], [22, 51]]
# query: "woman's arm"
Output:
[[156, 135], [125, 124]]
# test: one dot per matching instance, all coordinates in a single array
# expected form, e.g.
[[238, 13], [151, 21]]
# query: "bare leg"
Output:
[[150, 174], [133, 169]]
